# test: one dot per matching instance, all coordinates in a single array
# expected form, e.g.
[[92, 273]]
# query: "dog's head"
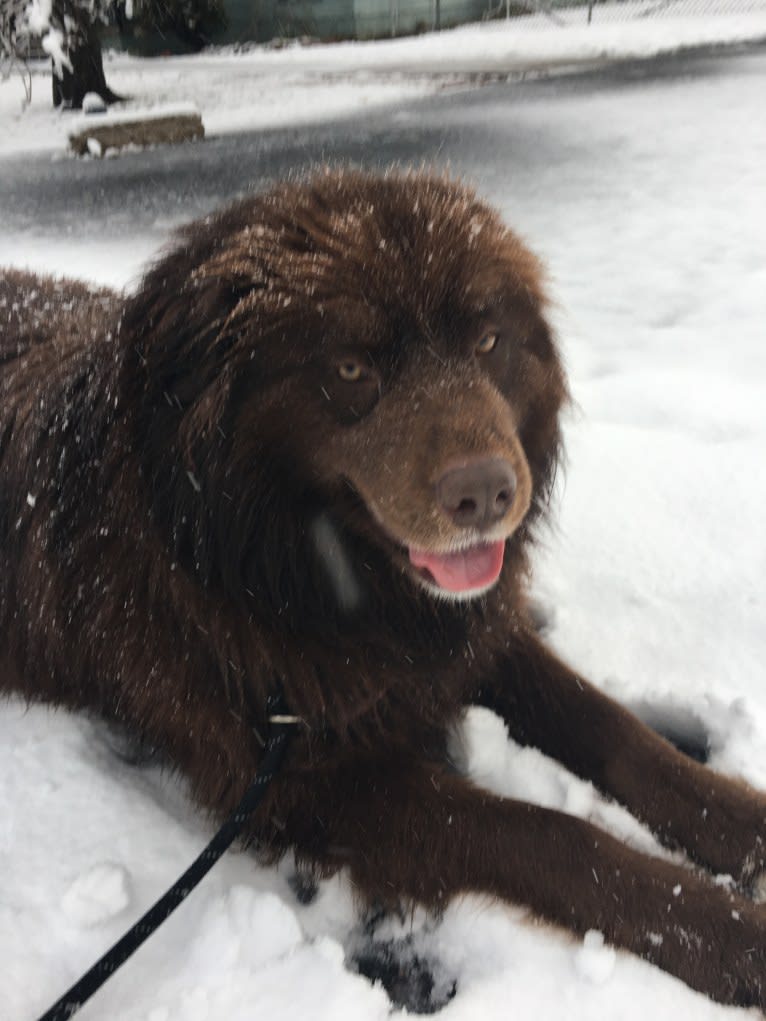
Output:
[[372, 351]]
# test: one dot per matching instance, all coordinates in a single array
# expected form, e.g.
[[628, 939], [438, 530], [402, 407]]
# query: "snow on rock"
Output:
[[93, 103], [97, 895], [130, 114]]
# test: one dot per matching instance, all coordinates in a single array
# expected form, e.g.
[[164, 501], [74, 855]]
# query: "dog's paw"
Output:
[[715, 941], [413, 980], [385, 949]]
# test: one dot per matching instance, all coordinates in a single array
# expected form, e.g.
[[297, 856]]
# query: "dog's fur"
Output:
[[211, 488]]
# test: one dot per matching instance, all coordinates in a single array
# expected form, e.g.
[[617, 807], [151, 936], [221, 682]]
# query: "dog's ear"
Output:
[[174, 334], [178, 346]]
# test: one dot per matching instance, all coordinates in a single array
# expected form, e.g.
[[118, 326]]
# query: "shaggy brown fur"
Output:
[[219, 484]]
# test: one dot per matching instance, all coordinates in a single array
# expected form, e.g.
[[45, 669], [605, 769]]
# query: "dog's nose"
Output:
[[478, 494]]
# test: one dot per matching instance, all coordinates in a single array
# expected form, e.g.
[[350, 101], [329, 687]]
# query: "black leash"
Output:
[[279, 729]]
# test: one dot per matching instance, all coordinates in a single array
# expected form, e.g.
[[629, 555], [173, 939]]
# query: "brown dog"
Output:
[[312, 450]]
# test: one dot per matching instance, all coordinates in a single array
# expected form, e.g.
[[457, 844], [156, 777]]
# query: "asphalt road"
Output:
[[471, 129]]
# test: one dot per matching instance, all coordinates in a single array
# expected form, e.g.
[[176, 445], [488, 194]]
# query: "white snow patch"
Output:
[[595, 960], [97, 895], [93, 103], [230, 930]]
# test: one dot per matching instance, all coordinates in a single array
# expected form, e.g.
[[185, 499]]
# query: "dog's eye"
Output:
[[487, 343], [350, 371]]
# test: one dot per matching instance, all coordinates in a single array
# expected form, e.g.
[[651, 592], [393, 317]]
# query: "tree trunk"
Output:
[[87, 73]]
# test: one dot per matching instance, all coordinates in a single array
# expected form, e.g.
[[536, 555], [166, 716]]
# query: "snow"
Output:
[[652, 221], [595, 961], [93, 103], [298, 84], [96, 895]]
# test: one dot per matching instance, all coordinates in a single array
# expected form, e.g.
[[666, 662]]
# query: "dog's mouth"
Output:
[[463, 569], [465, 572]]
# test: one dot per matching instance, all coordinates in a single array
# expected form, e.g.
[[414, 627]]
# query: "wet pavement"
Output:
[[475, 128]]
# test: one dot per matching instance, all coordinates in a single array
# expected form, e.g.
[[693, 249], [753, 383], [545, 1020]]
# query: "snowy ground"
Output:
[[268, 88], [653, 230]]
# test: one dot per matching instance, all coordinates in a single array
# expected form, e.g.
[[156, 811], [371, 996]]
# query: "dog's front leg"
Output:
[[417, 833], [719, 821]]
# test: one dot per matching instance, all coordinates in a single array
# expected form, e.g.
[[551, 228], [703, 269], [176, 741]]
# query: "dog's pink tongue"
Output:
[[472, 568]]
